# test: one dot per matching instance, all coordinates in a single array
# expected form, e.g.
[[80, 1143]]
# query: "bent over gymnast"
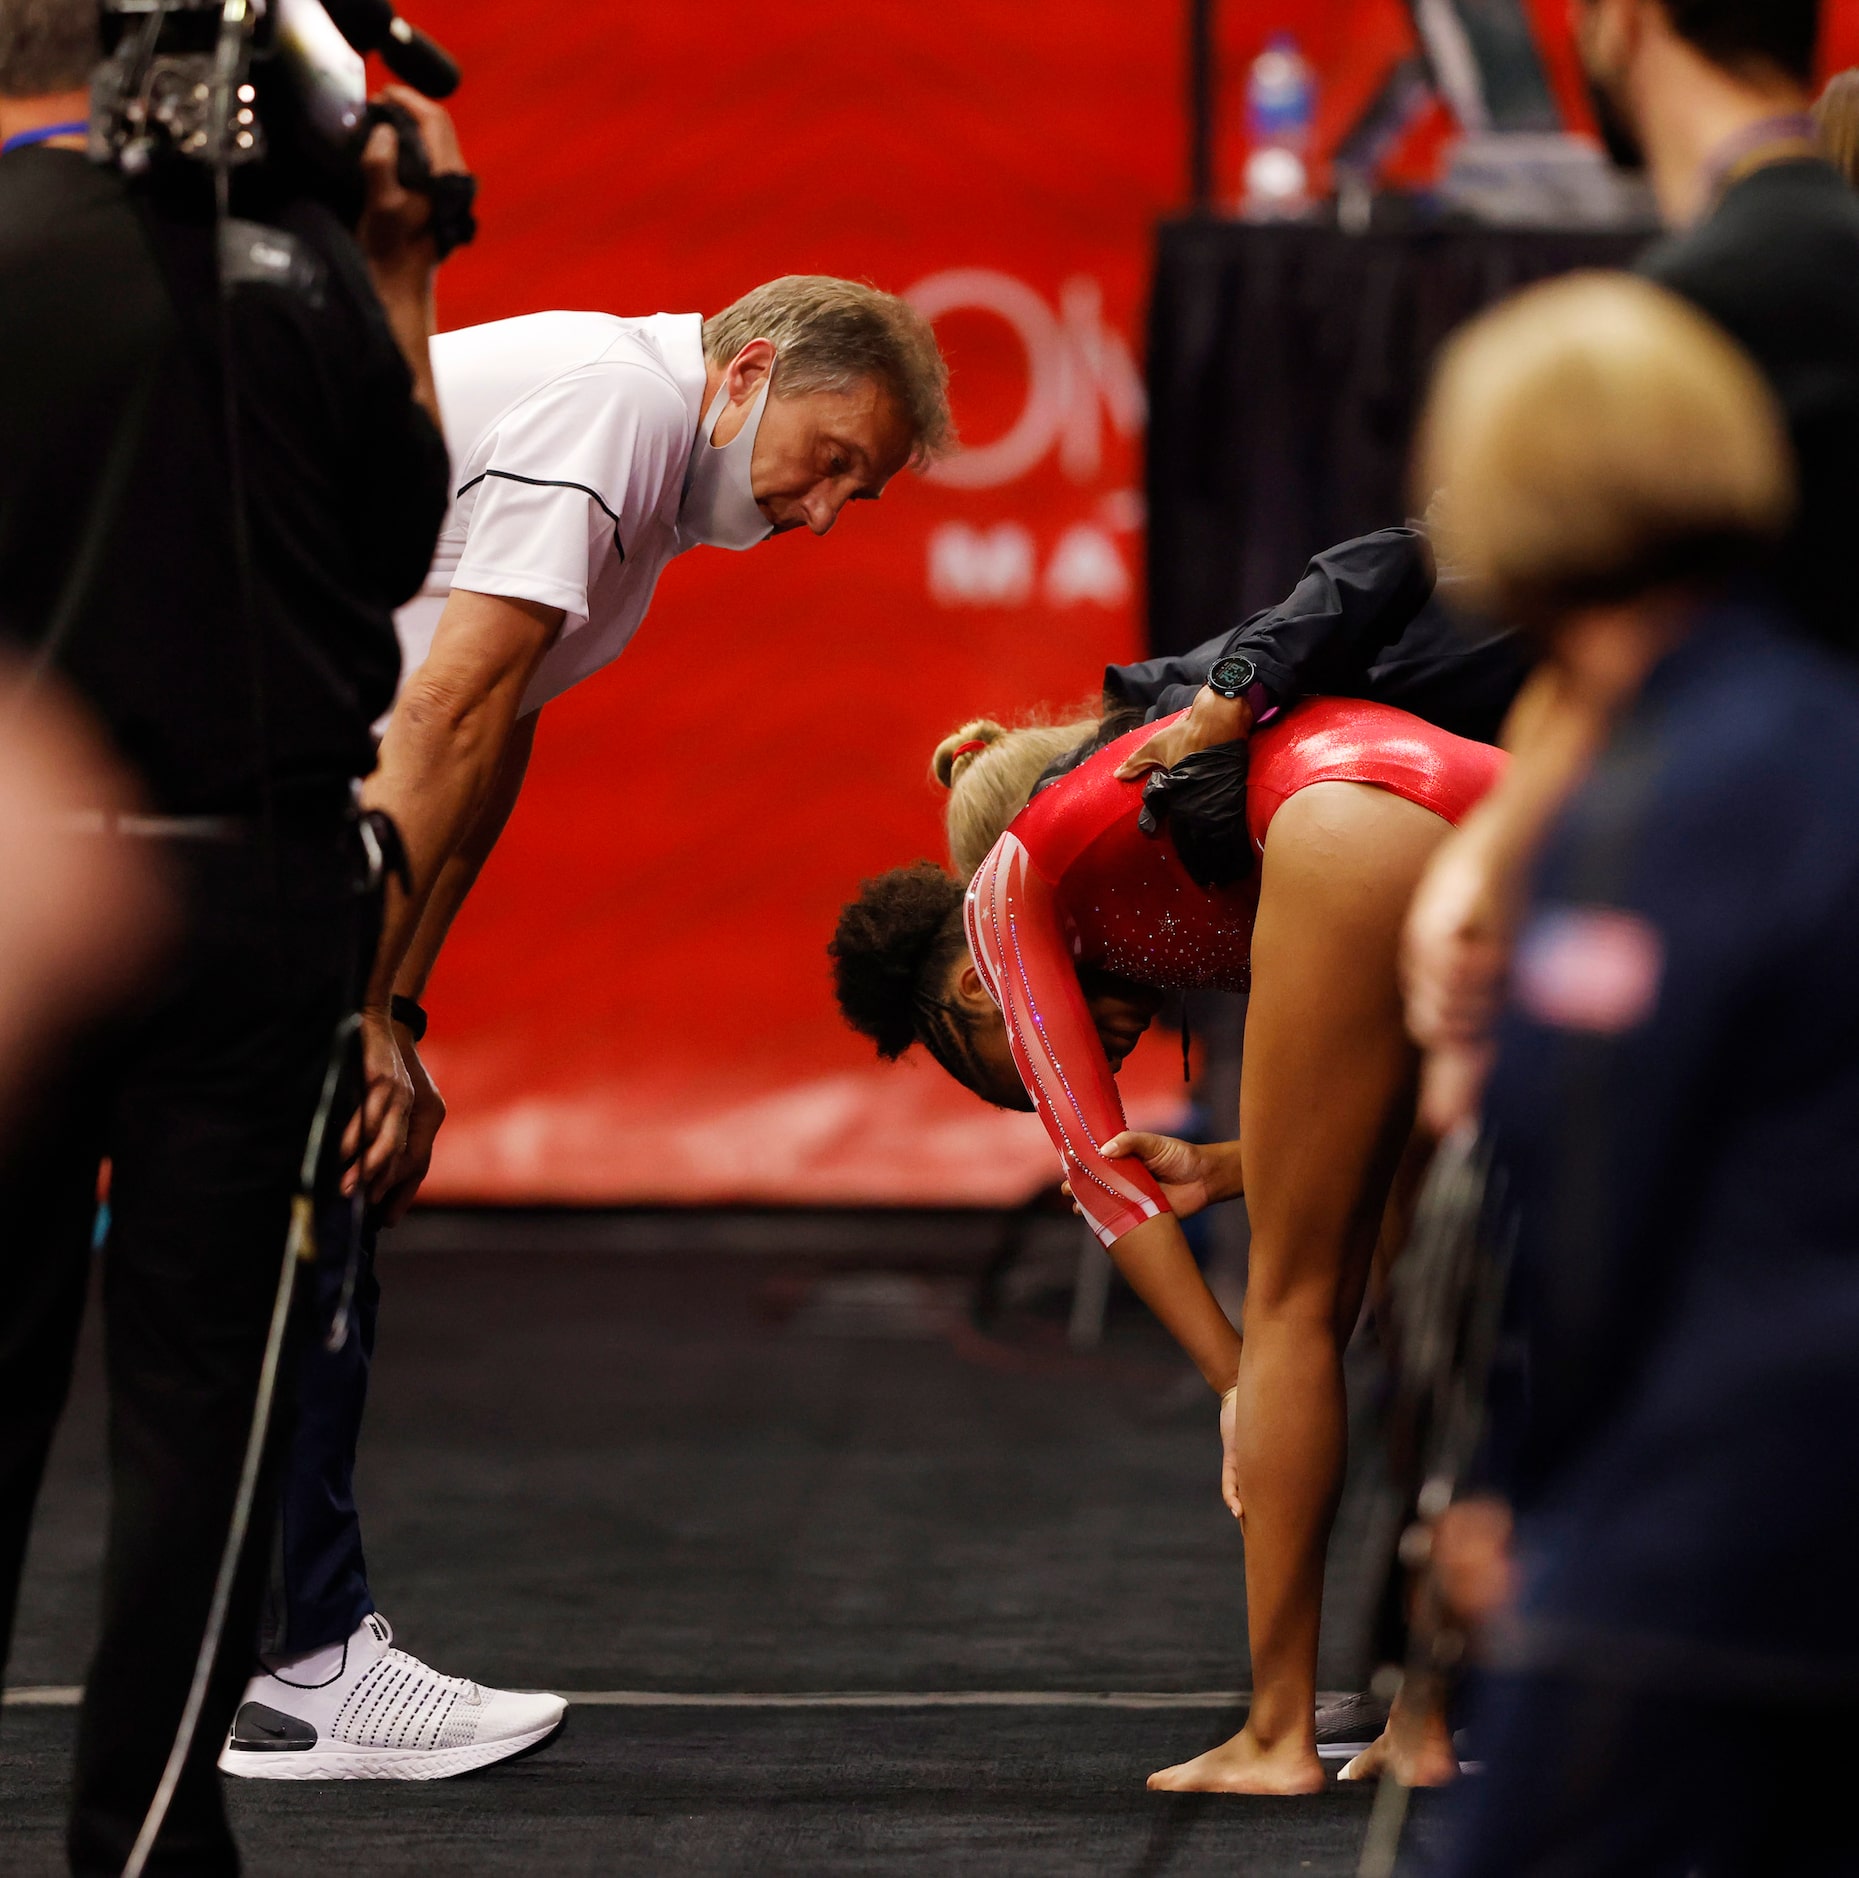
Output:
[[1346, 801]]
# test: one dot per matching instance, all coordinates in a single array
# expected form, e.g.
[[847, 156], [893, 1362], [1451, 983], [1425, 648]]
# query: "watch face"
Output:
[[1231, 676]]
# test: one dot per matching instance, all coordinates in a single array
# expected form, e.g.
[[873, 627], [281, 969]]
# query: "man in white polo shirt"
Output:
[[587, 453]]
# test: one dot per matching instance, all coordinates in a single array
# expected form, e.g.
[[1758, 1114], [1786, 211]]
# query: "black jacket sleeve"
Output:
[[396, 469], [1354, 601]]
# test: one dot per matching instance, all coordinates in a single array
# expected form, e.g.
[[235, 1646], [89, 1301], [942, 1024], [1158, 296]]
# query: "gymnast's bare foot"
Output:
[[1418, 1752], [1246, 1765]]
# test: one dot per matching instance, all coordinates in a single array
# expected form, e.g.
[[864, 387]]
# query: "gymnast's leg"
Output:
[[1326, 1105]]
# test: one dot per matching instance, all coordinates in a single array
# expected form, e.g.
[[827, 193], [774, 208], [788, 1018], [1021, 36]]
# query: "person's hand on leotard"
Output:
[[1193, 1175], [1211, 720]]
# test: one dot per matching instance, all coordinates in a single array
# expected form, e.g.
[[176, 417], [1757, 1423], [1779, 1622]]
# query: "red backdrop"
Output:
[[635, 1005]]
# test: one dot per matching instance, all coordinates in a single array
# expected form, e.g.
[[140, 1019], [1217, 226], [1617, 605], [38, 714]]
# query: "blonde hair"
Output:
[[989, 786], [833, 335], [1836, 118], [1596, 437]]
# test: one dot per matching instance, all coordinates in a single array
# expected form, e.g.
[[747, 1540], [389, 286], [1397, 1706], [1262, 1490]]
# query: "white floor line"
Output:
[[911, 1698], [68, 1697]]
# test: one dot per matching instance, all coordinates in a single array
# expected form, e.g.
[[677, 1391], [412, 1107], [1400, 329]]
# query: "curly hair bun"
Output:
[[946, 766], [884, 942]]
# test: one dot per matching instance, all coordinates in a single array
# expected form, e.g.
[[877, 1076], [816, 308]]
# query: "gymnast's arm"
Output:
[[1016, 934]]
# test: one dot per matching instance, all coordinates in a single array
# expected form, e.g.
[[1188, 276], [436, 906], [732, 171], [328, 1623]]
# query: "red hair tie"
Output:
[[969, 748]]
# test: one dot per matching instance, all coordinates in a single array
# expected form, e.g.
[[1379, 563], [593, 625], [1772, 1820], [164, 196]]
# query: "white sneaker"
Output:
[[366, 1711]]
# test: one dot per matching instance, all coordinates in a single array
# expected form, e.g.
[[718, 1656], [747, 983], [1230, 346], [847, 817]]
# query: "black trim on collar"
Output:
[[552, 482]]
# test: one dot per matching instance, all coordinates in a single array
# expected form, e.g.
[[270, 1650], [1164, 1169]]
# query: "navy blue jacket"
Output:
[[1676, 1111]]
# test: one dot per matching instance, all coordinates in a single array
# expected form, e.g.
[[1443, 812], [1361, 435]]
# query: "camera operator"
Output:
[[208, 511]]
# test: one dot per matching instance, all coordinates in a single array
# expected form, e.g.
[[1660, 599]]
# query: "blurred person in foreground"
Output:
[[1836, 122], [238, 688], [1712, 97], [589, 451], [1673, 1112], [79, 915]]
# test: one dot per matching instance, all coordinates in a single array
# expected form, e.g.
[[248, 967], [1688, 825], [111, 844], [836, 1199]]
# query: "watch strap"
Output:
[[411, 1012]]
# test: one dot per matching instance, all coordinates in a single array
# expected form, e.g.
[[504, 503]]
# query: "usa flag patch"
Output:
[[1590, 968]]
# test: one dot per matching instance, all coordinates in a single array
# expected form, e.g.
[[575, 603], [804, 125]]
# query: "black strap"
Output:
[[452, 196], [411, 1012]]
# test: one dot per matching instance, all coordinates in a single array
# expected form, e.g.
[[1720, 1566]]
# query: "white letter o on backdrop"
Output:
[[1036, 429]]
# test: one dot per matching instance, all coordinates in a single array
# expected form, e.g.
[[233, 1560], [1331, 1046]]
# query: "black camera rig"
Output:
[[226, 83]]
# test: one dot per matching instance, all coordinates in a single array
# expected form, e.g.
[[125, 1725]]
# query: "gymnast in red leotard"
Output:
[[1031, 985], [1074, 881]]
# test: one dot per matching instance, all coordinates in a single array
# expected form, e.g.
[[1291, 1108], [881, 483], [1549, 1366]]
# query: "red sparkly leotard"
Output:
[[1075, 882]]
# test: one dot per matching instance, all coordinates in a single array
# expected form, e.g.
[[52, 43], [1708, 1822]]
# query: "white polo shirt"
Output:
[[570, 435]]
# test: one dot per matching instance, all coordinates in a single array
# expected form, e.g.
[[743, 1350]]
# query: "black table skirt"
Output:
[[1286, 366]]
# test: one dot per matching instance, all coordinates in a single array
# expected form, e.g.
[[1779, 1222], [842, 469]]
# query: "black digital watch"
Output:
[[1233, 677]]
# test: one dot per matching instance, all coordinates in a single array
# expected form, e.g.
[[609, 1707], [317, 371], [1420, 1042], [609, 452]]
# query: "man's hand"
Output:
[[1192, 1175], [377, 1132], [396, 222], [395, 234], [1211, 720], [423, 1126]]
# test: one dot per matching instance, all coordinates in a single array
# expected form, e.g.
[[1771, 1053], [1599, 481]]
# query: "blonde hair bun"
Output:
[[946, 766], [1598, 436], [985, 797]]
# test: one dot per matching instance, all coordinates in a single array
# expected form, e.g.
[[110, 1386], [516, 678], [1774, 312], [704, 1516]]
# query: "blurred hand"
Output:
[[82, 913], [1229, 1455], [1455, 960], [377, 1132], [1211, 720], [393, 231], [1473, 1564], [423, 1124]]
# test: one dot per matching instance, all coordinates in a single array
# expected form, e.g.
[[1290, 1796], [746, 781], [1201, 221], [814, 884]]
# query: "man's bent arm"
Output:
[[440, 760], [460, 872]]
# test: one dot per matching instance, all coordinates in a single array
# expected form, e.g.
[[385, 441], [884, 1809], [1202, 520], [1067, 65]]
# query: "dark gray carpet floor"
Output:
[[705, 1473]]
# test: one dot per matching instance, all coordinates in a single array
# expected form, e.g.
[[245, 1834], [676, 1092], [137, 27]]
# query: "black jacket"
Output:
[[116, 493], [1364, 622]]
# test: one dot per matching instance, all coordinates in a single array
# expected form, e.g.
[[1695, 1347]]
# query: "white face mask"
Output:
[[719, 507]]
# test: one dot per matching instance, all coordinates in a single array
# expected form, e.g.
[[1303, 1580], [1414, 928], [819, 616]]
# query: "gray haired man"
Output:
[[587, 452]]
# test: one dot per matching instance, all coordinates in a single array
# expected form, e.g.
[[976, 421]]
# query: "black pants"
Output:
[[201, 1100], [1590, 1780]]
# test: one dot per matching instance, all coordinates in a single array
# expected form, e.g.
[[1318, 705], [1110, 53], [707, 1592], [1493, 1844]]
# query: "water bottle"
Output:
[[1281, 107]]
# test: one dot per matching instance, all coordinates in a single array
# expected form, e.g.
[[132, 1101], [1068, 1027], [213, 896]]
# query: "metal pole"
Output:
[[1201, 93]]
